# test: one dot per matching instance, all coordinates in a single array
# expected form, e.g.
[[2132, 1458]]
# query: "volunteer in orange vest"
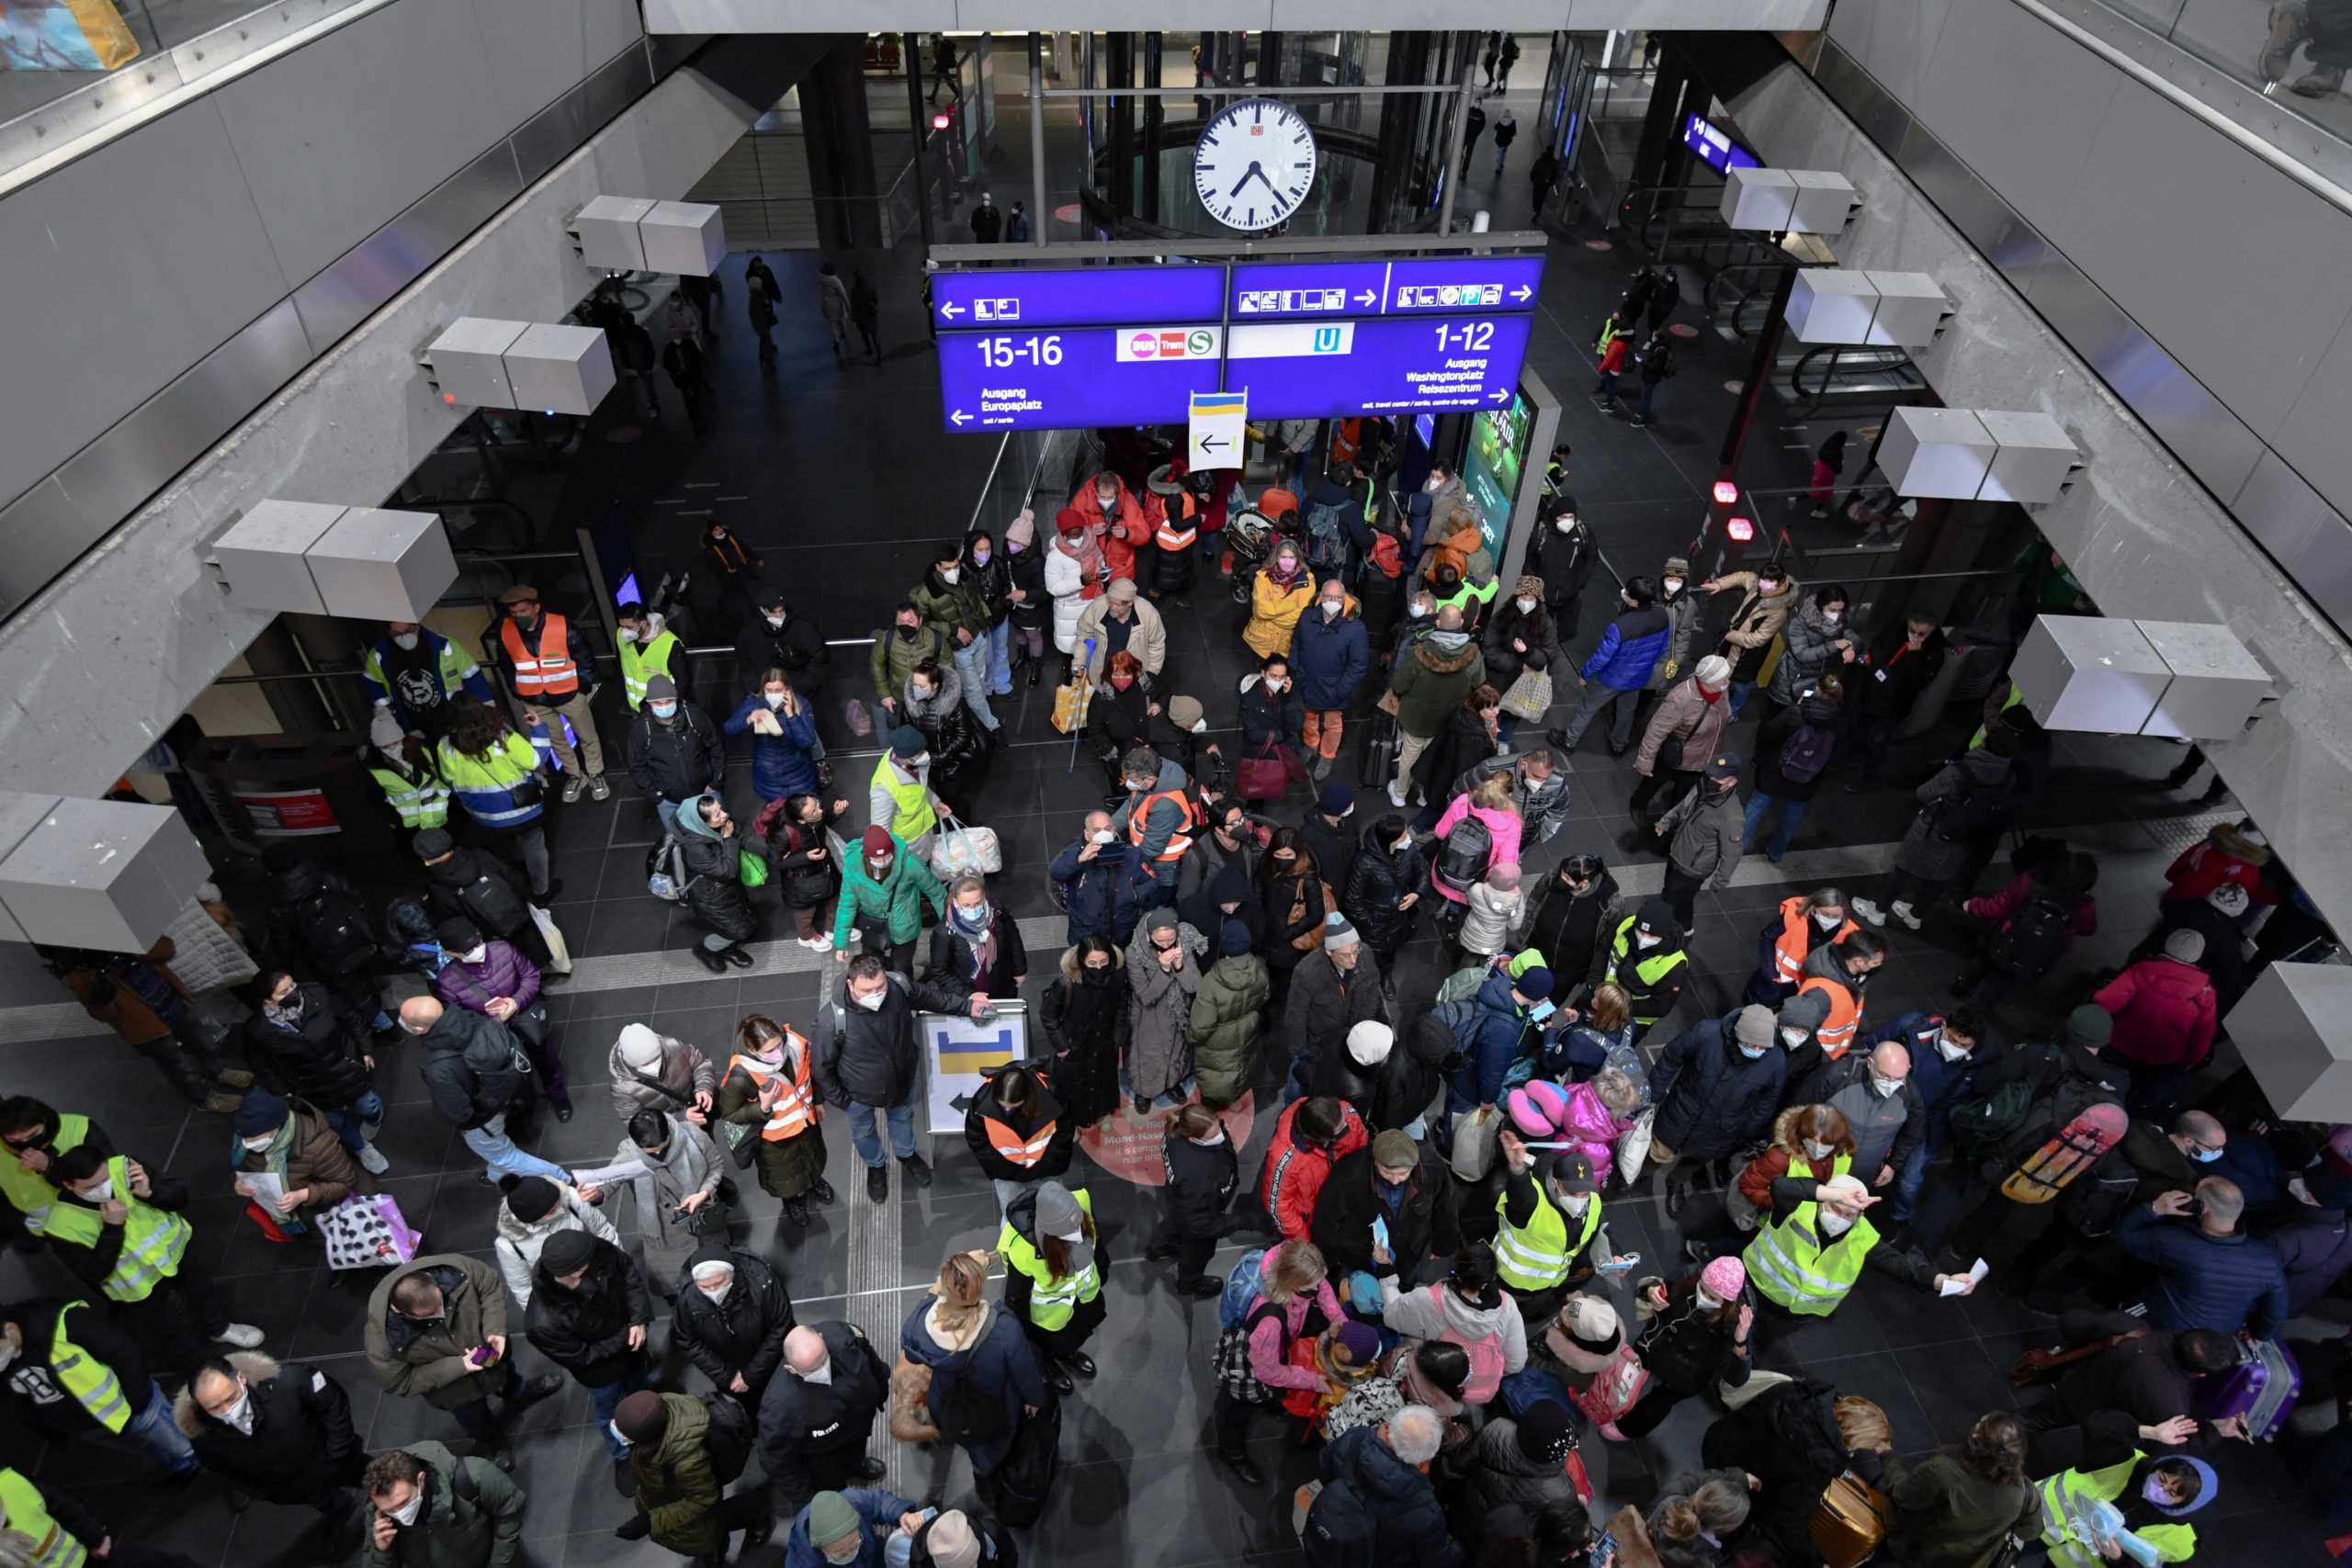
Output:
[[1019, 1129], [1839, 971], [548, 665], [1160, 817], [1803, 922], [765, 1096]]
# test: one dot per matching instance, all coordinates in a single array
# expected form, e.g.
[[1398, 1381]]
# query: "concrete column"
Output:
[[840, 149]]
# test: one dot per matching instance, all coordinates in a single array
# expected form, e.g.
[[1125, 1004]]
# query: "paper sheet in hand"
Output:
[[610, 1175], [268, 1188], [1976, 1277]]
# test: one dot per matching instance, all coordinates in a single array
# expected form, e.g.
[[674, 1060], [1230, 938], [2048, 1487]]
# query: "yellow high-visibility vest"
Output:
[[1052, 1302], [29, 1517], [1536, 1256], [90, 1381], [31, 1193]]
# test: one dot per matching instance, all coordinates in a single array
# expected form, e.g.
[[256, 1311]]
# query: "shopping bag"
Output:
[[752, 868], [109, 38], [365, 1232], [1069, 704], [965, 851], [1634, 1146], [1475, 1133], [558, 952]]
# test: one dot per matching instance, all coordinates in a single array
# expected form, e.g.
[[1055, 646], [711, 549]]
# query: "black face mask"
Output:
[[1095, 977], [909, 632]]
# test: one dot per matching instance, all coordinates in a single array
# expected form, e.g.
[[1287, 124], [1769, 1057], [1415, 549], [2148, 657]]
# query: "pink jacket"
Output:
[[1503, 826], [1594, 1129], [1270, 1343], [2164, 1011]]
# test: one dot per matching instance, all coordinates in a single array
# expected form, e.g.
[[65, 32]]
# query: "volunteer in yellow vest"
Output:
[[551, 668], [1054, 1260], [495, 776], [2148, 1495], [117, 1227], [405, 768], [1804, 1261], [649, 647], [55, 1531], [1839, 971], [1548, 1234], [1648, 959], [31, 1137], [68, 1370], [900, 797], [1019, 1131], [416, 675], [765, 1095]]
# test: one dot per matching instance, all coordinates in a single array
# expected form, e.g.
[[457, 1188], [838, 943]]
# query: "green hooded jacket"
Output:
[[896, 899]]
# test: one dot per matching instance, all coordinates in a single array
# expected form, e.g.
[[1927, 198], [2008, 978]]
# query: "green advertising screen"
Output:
[[1498, 443]]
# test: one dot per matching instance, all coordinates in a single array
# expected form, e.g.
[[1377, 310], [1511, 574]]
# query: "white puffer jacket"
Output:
[[518, 1244], [1066, 580]]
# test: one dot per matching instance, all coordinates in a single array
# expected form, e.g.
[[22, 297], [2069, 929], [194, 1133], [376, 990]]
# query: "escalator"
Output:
[[1847, 378]]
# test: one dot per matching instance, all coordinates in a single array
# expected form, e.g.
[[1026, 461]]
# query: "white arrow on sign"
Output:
[[1366, 298], [1523, 291], [950, 311], [960, 417], [1501, 396]]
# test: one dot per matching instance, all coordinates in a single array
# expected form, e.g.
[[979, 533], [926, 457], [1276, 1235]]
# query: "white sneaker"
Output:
[[820, 944], [243, 1336], [1867, 911], [1902, 911], [598, 789], [372, 1160], [1396, 797]]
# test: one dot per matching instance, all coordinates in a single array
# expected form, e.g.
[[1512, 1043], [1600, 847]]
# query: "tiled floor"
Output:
[[823, 451]]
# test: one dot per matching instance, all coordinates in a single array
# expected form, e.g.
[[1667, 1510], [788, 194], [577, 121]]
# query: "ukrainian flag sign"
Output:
[[960, 1052]]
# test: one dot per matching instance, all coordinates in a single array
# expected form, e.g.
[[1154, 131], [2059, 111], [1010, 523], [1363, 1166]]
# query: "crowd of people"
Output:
[[1427, 1286]]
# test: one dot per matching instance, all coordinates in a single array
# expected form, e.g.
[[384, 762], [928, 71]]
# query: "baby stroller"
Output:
[[1249, 537]]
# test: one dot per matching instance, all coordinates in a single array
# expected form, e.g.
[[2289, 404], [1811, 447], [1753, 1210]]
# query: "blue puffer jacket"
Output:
[[1941, 1084], [1629, 650], [781, 764], [1489, 1042], [1329, 658], [2224, 1283]]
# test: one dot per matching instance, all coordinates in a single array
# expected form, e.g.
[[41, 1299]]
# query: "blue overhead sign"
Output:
[[1073, 347]]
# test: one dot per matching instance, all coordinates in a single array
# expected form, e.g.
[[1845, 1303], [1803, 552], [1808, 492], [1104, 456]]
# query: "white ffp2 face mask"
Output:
[[1793, 1038], [406, 642], [872, 1003], [406, 1513]]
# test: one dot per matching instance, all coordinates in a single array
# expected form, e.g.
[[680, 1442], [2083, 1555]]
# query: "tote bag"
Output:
[[365, 1232]]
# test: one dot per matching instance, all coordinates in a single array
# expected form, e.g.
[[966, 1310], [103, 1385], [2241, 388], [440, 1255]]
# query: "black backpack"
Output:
[[962, 1409], [1467, 847], [1806, 753], [1341, 1530], [335, 929], [2034, 939], [729, 1441]]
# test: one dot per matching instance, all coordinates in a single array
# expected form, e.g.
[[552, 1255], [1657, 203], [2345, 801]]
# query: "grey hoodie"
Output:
[[1430, 1313], [1704, 831]]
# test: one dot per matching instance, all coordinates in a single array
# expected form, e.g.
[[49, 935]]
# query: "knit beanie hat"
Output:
[[457, 934], [1754, 1025], [949, 1540], [643, 1416], [530, 1199], [384, 730], [1807, 1011], [1337, 800], [1233, 939], [640, 1047], [830, 1518], [907, 741], [1370, 1041], [1022, 530], [2186, 945], [1726, 1278], [2091, 1025], [1713, 671], [1534, 984], [567, 1252], [877, 844], [1057, 1212], [1545, 1434], [1394, 1149], [1337, 932], [660, 688], [431, 843], [260, 1112], [1185, 712]]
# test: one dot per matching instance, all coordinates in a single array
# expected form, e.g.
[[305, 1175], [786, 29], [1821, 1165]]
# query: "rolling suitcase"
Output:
[[1379, 751], [2262, 1387], [1850, 1524]]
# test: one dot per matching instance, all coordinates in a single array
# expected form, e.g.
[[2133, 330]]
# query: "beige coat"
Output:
[[1764, 618], [1148, 640], [1699, 722]]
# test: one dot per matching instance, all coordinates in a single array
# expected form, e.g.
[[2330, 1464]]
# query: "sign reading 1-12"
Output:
[[1004, 353], [1469, 337]]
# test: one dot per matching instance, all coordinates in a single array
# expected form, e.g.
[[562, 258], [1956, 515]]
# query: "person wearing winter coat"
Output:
[[588, 1314], [294, 1142], [1684, 733], [1332, 990], [674, 752], [1349, 1072], [1119, 622], [304, 1043], [783, 737], [1383, 897], [1293, 1299], [1468, 1308], [906, 642], [1085, 876], [1432, 678], [1496, 908], [801, 850], [1955, 1512], [712, 855], [818, 1410], [671, 1440], [1967, 799], [977, 946], [964, 1351], [958, 611], [2165, 1015], [495, 979], [1228, 1014], [1524, 625], [1203, 1175], [1495, 803], [986, 571], [1620, 667], [730, 1318], [1884, 1115], [470, 1077], [2227, 853], [1386, 1466], [1163, 975], [1027, 600], [780, 638], [1588, 1117], [1789, 1439], [462, 880], [2209, 1273], [684, 1173], [281, 1433], [462, 1513], [884, 888], [317, 922], [1522, 1463], [1330, 654], [1685, 617], [1056, 1263], [1765, 598], [1279, 596], [1717, 1087], [425, 1319], [651, 1070], [533, 1210], [1815, 643], [1572, 912], [1116, 518], [1018, 1130], [1702, 835], [1898, 673], [1494, 1035], [1087, 1017], [1296, 906], [1816, 721], [1403, 1184], [2314, 1247], [1271, 716], [1564, 559], [868, 1063], [1695, 1337], [958, 748], [1074, 572]]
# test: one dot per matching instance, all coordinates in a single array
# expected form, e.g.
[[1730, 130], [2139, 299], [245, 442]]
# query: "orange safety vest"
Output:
[[1795, 942], [1176, 532], [1010, 1146], [795, 1108], [1178, 842], [1836, 1032], [547, 672]]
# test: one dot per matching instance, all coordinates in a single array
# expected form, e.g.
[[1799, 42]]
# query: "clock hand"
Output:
[[1245, 178]]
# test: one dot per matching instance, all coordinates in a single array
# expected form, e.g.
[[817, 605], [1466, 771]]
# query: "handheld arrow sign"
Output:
[[1219, 425]]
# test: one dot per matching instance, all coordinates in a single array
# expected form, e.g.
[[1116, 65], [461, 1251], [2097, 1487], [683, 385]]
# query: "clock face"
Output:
[[1255, 165]]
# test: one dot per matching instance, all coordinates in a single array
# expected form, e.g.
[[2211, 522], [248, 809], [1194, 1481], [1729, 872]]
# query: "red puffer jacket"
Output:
[[2164, 1013], [1295, 1172]]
